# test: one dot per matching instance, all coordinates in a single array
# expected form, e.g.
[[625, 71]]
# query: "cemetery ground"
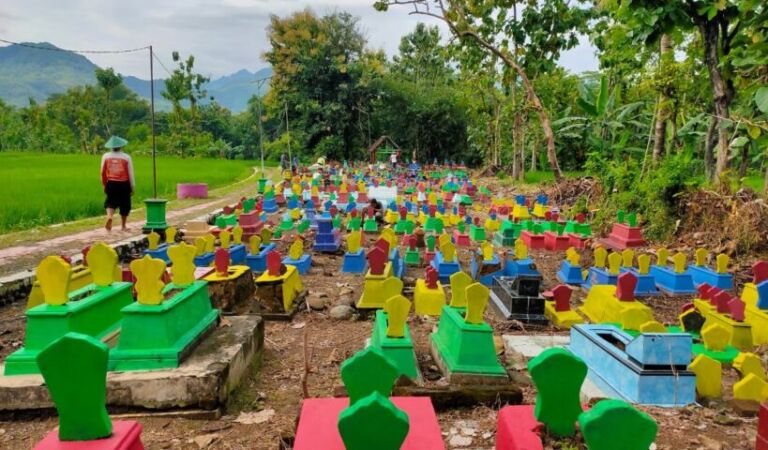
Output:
[[308, 351]]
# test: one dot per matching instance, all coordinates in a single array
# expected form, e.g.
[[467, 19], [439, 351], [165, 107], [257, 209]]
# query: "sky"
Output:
[[224, 35]]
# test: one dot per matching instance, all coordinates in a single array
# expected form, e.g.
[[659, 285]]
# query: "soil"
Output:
[[313, 339]]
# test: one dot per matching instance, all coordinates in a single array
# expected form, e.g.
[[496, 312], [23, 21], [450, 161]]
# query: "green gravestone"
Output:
[[373, 423], [303, 226], [430, 240], [615, 424], [632, 219], [368, 371], [558, 375], [620, 216], [74, 368]]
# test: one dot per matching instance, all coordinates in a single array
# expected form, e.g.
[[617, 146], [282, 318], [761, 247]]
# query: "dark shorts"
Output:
[[118, 196]]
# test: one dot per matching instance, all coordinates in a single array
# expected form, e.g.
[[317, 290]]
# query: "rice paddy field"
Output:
[[43, 188]]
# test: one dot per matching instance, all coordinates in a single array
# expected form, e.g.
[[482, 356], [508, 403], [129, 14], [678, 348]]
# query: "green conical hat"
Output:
[[116, 142]]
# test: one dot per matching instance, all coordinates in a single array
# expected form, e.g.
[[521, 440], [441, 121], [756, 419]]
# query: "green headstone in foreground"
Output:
[[614, 424], [368, 371], [558, 375], [373, 423], [75, 370]]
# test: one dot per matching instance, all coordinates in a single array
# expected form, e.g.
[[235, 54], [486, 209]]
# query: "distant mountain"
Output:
[[32, 73]]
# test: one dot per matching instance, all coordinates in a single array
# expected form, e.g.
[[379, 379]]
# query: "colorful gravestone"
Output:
[[646, 283], [278, 288], [709, 376], [368, 420], [558, 309], [370, 225], [157, 250], [717, 277], [520, 263], [477, 231], [508, 232], [80, 277], [625, 233], [614, 424], [446, 261], [603, 273], [392, 336], [167, 321], [327, 239], [519, 298], [460, 236], [617, 304], [650, 369], [74, 368], [412, 256], [232, 242], [533, 236], [354, 259], [230, 287], [428, 295], [194, 229], [297, 258], [93, 310], [258, 251], [463, 343], [380, 283], [570, 269], [486, 264], [204, 250], [718, 307], [673, 280]]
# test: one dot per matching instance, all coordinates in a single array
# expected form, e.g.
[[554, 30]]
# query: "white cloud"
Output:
[[224, 35]]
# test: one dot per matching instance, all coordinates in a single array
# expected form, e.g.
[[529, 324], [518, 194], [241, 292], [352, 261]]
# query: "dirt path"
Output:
[[27, 248]]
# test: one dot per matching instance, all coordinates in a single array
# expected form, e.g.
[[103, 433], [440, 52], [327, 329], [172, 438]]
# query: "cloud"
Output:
[[224, 35]]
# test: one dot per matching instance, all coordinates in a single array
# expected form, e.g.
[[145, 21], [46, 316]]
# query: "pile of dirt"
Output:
[[571, 190], [724, 222]]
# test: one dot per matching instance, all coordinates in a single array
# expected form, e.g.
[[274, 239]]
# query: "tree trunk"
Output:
[[662, 114], [710, 33], [709, 147], [744, 165]]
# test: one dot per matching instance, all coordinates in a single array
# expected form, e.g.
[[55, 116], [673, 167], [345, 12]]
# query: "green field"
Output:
[[44, 188]]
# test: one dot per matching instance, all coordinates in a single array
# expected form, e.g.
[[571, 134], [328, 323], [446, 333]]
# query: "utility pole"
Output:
[[152, 103], [288, 132]]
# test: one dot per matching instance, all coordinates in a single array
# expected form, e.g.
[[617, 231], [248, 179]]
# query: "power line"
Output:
[[56, 49], [159, 61]]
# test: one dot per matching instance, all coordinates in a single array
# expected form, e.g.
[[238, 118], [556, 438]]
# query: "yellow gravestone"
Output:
[[296, 214], [149, 285], [353, 241], [487, 250], [443, 239], [388, 234], [296, 188], [715, 337], [614, 263], [361, 187], [53, 274], [700, 256], [210, 242], [627, 257], [153, 239], [521, 250], [746, 363], [102, 260], [477, 301], [572, 256], [459, 283], [652, 326], [721, 263], [709, 376], [397, 309], [170, 235], [237, 235], [314, 192], [600, 256], [448, 251], [296, 250], [343, 189], [662, 255], [752, 388], [266, 235], [225, 237], [254, 245], [679, 261], [183, 269], [199, 246], [643, 264], [432, 198]]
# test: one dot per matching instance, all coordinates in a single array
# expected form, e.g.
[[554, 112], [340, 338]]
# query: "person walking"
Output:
[[118, 181]]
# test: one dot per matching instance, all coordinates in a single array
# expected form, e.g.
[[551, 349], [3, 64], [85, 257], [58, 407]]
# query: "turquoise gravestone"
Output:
[[558, 375], [74, 368]]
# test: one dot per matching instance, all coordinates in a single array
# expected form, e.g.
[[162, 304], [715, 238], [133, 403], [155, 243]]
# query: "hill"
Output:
[[27, 72]]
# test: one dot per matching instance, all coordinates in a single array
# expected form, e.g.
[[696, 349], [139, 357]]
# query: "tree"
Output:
[[108, 80], [549, 27], [184, 86], [422, 58]]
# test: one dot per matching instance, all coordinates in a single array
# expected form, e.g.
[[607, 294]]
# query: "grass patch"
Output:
[[43, 188]]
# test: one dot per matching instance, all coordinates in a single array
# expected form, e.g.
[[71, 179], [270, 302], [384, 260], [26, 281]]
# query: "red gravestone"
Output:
[[403, 213], [66, 259], [274, 263], [504, 211], [625, 287], [562, 295], [412, 242], [431, 277], [334, 210], [377, 260], [548, 216], [383, 244], [221, 261], [389, 183], [760, 271], [227, 210], [580, 218], [432, 210], [555, 217], [85, 251], [722, 299], [462, 211], [736, 307], [353, 213], [370, 212], [477, 221], [705, 291]]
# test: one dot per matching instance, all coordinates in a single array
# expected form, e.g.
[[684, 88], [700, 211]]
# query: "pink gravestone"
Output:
[[736, 307], [625, 287]]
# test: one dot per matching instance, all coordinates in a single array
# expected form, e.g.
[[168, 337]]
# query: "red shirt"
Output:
[[117, 166]]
